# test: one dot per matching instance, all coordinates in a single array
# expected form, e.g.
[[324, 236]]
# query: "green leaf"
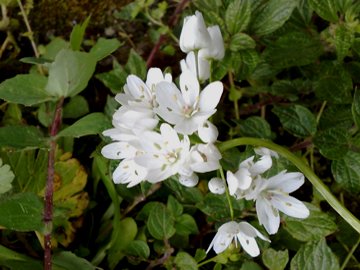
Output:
[[255, 126], [237, 16], [185, 225], [275, 260], [70, 73], [326, 9], [297, 120], [174, 206], [91, 124], [283, 54], [35, 60], [104, 47], [344, 37], [54, 47], [27, 89], [138, 248], [76, 107], [346, 172], [184, 261], [314, 255], [114, 79], [6, 177], [248, 60], [136, 65], [356, 108], [336, 115], [16, 261], [184, 194], [333, 143], [314, 227], [334, 84], [22, 212], [21, 137], [77, 34], [272, 16], [161, 223], [241, 41], [66, 260]]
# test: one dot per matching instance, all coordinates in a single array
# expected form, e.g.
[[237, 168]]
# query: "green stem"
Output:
[[304, 168], [346, 261], [227, 193]]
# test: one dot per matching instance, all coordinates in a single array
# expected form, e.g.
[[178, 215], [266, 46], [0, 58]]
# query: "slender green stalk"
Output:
[[227, 193], [350, 254], [304, 168]]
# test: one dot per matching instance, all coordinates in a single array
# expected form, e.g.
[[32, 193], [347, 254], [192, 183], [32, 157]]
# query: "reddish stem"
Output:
[[49, 190]]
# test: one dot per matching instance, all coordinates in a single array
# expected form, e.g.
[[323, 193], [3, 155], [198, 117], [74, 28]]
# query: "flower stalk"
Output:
[[304, 168]]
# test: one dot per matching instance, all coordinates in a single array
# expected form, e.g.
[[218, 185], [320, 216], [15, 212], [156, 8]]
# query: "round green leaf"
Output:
[[161, 222]]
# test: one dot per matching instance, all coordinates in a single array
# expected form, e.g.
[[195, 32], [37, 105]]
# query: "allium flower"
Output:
[[216, 49], [216, 185], [194, 35], [233, 231], [272, 196], [201, 71], [187, 108]]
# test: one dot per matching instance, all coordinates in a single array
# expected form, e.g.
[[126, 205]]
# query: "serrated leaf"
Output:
[[184, 194], [333, 143], [344, 37], [6, 177], [104, 47], [244, 63], [314, 255], [77, 34], [283, 54], [76, 107], [184, 261], [334, 84], [275, 260], [356, 108], [91, 124], [70, 73], [136, 65], [21, 137], [326, 9], [161, 222], [297, 120], [138, 248], [185, 225], [346, 171], [22, 212], [272, 16], [338, 116], [314, 227], [237, 16], [241, 41], [255, 126], [26, 89]]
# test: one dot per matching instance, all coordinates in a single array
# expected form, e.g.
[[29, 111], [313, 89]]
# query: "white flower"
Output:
[[202, 71], [164, 153], [263, 151], [272, 196], [189, 180], [233, 231], [187, 109], [216, 185], [216, 49], [208, 132], [129, 172], [204, 158], [194, 35]]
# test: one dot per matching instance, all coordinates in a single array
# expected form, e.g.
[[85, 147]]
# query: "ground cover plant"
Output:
[[189, 135]]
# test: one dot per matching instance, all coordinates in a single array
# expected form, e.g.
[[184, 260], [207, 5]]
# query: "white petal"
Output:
[[247, 163], [268, 216], [216, 50], [137, 88], [250, 231], [262, 151], [169, 97], [244, 178], [210, 96], [190, 87], [189, 181], [286, 182], [154, 76], [232, 182], [208, 132], [169, 135], [118, 150], [290, 206], [186, 126], [128, 172], [249, 244], [216, 185], [261, 166]]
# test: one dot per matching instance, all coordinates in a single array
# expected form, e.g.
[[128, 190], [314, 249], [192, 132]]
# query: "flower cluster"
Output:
[[156, 117]]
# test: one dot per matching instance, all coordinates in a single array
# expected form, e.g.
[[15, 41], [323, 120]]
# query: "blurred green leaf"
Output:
[[174, 206], [315, 255], [6, 177], [13, 115], [21, 137], [185, 225], [66, 260], [26, 89], [104, 47], [76, 107], [237, 16], [70, 73], [272, 16], [275, 259], [77, 34], [255, 126], [161, 222], [333, 143], [326, 9], [184, 261], [136, 65], [344, 37], [22, 212], [91, 124], [114, 79], [314, 227], [241, 41], [297, 120], [17, 261], [346, 171], [138, 248], [336, 115], [356, 108]]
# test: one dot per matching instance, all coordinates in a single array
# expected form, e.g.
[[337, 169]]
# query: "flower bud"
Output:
[[203, 66], [216, 185], [216, 49], [208, 132]]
